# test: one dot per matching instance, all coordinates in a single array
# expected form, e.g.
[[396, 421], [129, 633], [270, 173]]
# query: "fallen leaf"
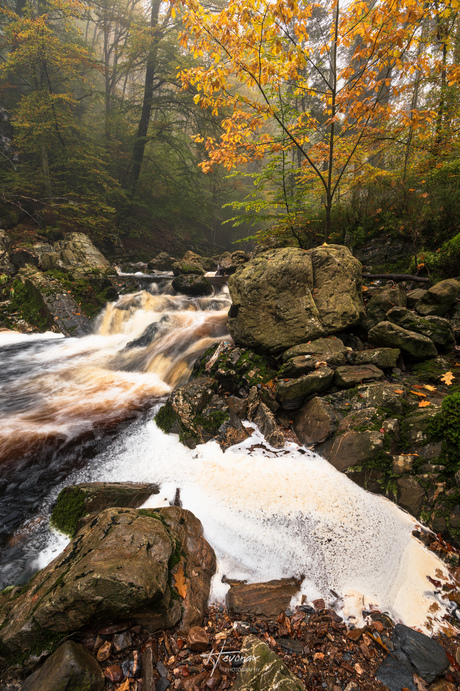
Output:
[[447, 378], [423, 404], [428, 387], [417, 393], [179, 581], [398, 391]]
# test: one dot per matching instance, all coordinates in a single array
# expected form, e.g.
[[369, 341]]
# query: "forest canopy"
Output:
[[321, 121]]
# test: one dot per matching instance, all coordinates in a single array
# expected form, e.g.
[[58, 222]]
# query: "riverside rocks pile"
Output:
[[355, 372]]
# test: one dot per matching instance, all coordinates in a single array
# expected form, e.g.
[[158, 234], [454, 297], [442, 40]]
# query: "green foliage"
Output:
[[445, 427], [166, 417], [25, 301], [69, 508]]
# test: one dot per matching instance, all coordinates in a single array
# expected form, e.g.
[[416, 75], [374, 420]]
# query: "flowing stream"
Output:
[[75, 410]]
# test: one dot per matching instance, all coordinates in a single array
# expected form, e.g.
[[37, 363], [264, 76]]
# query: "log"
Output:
[[398, 277]]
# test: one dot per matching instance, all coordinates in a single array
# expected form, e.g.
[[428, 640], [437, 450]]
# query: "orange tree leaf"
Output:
[[423, 404], [179, 581], [416, 393], [447, 378], [428, 387]]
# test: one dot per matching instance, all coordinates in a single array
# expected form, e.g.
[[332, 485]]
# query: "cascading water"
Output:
[[267, 513]]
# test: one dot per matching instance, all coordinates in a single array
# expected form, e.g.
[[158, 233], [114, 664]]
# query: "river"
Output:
[[76, 410]]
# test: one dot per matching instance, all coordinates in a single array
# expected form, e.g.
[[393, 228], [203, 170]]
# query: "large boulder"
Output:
[[438, 329], [78, 250], [414, 344], [55, 307], [121, 565], [315, 422], [439, 298], [289, 296], [162, 262], [291, 393]]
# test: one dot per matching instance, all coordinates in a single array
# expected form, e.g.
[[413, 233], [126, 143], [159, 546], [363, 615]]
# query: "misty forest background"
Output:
[[101, 132]]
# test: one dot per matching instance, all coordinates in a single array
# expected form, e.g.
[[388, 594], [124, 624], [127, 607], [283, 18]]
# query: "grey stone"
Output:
[[354, 448], [396, 674], [192, 284], [410, 494], [265, 420], [315, 421], [426, 655], [381, 301], [290, 394], [70, 668], [330, 349], [386, 333], [351, 375], [439, 298], [438, 329], [380, 357]]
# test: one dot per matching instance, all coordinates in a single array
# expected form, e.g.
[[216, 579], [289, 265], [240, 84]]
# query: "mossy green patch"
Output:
[[26, 301], [445, 427], [69, 508], [166, 417], [91, 292]]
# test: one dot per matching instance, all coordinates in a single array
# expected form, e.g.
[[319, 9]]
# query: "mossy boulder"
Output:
[[77, 501], [410, 342], [439, 298], [192, 284], [288, 296], [355, 448], [438, 329], [71, 666], [162, 262], [120, 565], [315, 422]]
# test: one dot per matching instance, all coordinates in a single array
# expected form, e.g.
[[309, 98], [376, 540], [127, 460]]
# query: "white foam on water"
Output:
[[270, 515], [10, 337]]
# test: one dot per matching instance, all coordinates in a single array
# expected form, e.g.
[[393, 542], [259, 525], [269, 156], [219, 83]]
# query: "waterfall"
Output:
[[78, 410]]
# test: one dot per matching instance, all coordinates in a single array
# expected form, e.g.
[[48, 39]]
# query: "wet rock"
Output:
[[54, 303], [358, 419], [262, 669], [114, 673], [396, 674], [380, 357], [410, 494], [183, 408], [116, 566], [121, 641], [162, 684], [229, 262], [162, 262], [350, 375], [261, 599], [71, 667], [381, 301], [315, 422], [232, 431], [416, 345], [265, 420], [197, 639], [149, 334], [439, 298], [288, 296], [104, 651], [438, 329], [413, 296], [330, 349], [192, 284], [132, 666], [426, 655], [290, 394], [354, 448], [77, 501]]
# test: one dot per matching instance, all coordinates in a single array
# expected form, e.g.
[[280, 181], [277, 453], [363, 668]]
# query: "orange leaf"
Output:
[[179, 581], [416, 393], [423, 404], [447, 378], [428, 387], [398, 391]]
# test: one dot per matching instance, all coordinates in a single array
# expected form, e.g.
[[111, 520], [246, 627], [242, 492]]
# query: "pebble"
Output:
[[113, 673], [197, 639], [162, 671], [104, 651], [121, 641], [291, 645]]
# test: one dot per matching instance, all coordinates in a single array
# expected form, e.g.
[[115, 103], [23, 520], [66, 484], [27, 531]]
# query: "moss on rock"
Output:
[[69, 508]]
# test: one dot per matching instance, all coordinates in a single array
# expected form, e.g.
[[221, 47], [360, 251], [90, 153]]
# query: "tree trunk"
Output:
[[141, 138]]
